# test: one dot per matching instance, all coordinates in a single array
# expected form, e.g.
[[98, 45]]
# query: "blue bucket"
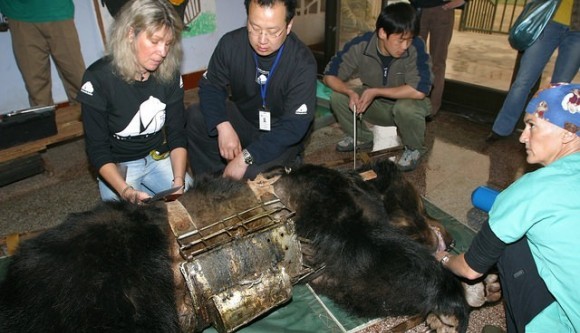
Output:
[[483, 198]]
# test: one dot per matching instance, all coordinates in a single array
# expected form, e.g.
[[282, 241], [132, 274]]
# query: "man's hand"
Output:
[[339, 86], [366, 98], [228, 141], [236, 168], [353, 102]]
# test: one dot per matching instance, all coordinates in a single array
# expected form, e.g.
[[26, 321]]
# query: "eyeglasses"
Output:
[[268, 35]]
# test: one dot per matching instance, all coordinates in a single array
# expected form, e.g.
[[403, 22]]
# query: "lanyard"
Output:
[[264, 87]]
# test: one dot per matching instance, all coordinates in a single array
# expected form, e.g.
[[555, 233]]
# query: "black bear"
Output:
[[110, 269], [105, 270], [375, 244]]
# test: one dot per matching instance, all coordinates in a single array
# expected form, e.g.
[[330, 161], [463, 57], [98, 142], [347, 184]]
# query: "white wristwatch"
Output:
[[445, 259]]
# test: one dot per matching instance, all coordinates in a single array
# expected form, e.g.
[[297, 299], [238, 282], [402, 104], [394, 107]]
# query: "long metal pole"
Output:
[[354, 137]]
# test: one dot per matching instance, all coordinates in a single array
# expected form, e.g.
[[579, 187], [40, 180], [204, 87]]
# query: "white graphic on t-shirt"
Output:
[[87, 88], [303, 109], [149, 119]]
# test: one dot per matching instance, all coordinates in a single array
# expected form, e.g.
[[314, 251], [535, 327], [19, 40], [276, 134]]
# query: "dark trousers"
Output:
[[524, 291], [34, 44], [436, 25], [203, 149]]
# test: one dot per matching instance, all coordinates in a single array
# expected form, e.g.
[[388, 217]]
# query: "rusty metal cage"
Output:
[[238, 267]]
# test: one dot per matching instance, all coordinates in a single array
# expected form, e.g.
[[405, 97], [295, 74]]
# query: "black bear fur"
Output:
[[105, 270], [109, 269], [372, 267]]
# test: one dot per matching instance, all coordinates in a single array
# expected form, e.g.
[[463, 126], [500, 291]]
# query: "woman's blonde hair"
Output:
[[148, 16]]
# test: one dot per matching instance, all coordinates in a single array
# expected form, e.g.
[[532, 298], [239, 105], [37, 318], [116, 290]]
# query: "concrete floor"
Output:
[[487, 60]]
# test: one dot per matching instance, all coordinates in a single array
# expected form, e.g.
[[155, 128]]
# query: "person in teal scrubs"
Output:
[[533, 232]]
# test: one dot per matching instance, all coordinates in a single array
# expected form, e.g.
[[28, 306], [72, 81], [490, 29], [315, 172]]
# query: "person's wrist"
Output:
[[130, 194], [124, 193], [225, 125], [179, 181]]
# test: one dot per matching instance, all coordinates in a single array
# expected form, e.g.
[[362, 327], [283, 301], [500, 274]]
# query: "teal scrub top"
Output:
[[544, 205]]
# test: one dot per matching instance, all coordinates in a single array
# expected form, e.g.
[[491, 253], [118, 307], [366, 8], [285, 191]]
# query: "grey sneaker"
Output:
[[409, 160], [347, 144]]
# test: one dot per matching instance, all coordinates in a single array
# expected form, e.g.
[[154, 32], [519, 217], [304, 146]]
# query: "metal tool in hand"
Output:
[[163, 195], [354, 136], [354, 119]]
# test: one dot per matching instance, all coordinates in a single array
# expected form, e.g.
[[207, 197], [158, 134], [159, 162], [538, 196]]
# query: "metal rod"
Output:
[[354, 136]]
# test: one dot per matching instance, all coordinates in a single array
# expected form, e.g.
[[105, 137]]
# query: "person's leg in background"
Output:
[[532, 63], [409, 116], [380, 113], [568, 61], [32, 54], [344, 116], [158, 175], [202, 149], [437, 26], [66, 53], [524, 292]]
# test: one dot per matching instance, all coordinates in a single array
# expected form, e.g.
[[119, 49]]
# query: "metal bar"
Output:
[[354, 135], [227, 227], [485, 16]]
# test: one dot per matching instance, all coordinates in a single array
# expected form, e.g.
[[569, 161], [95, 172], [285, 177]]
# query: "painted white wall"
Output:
[[197, 51], [309, 28], [309, 21]]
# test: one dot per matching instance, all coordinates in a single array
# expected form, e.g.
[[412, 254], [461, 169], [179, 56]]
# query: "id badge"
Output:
[[264, 116]]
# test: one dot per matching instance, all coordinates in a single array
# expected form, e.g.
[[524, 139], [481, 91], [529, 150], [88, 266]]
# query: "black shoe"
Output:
[[493, 137]]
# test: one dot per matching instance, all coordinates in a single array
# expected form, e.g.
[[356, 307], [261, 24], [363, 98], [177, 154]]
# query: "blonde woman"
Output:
[[132, 105]]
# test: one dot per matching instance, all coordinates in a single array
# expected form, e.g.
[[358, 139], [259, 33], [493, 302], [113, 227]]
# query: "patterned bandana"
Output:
[[560, 105]]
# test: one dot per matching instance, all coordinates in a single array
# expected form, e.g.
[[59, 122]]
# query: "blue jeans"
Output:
[[533, 61], [146, 175]]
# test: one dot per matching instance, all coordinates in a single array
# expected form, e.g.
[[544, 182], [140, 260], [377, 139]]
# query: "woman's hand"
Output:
[[133, 196]]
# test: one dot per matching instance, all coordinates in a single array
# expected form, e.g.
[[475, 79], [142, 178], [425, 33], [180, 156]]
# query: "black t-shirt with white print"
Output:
[[124, 122]]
